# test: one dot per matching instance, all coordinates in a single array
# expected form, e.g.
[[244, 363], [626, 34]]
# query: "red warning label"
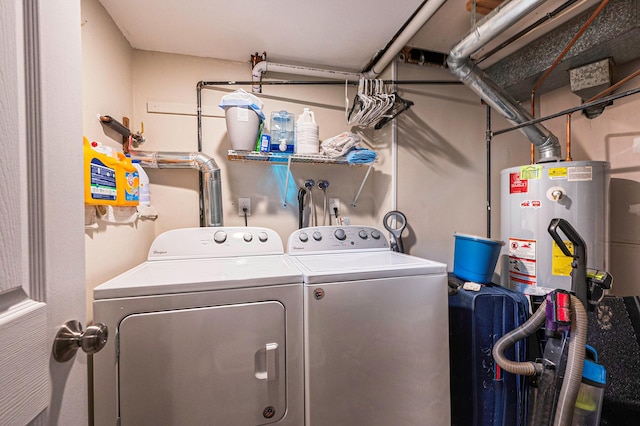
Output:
[[516, 185]]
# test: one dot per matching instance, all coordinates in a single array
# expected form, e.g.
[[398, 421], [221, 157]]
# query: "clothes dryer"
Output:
[[207, 331], [375, 329]]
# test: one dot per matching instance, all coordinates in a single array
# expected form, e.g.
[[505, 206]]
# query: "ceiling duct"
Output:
[[614, 35], [589, 80], [461, 65]]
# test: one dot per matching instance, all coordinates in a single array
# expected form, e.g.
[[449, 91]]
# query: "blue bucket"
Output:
[[475, 258]]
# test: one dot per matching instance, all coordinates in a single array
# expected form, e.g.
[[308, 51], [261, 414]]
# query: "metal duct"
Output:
[[211, 182], [461, 65]]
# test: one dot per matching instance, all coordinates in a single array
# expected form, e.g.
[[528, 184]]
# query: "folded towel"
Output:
[[361, 156], [339, 145]]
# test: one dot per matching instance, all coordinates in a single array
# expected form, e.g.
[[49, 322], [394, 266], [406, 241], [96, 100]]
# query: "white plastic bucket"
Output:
[[243, 126]]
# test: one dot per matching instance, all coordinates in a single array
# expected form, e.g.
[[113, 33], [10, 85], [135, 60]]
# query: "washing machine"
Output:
[[207, 331], [376, 330]]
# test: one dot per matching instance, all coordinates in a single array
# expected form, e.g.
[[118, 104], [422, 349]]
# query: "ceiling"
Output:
[[335, 34]]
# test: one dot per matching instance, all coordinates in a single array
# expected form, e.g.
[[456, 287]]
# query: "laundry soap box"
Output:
[[110, 178]]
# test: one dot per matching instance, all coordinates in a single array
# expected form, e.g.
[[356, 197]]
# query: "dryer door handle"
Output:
[[271, 353], [267, 362]]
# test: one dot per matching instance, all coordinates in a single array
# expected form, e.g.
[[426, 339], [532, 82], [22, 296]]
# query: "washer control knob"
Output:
[[363, 234], [247, 237], [340, 234], [220, 237], [263, 237], [303, 237], [375, 234], [317, 236]]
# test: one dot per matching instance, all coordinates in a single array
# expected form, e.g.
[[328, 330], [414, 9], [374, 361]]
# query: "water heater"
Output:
[[531, 196]]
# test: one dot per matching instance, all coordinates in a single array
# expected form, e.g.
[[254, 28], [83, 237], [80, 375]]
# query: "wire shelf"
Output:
[[285, 158]]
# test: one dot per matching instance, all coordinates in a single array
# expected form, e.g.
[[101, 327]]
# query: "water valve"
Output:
[[556, 193]]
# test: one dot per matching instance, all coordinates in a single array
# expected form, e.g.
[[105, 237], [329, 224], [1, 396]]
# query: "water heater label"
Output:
[[561, 263], [557, 173], [530, 172], [584, 173], [517, 185], [522, 261]]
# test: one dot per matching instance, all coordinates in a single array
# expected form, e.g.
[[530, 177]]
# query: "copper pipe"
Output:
[[569, 46], [568, 138], [559, 58], [614, 87]]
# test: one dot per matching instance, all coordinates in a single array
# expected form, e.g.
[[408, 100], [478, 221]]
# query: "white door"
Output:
[[41, 211]]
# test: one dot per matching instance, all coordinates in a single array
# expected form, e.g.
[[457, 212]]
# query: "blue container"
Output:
[[475, 258]]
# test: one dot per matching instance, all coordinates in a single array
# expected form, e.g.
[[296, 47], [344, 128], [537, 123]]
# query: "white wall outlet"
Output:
[[242, 204], [334, 203]]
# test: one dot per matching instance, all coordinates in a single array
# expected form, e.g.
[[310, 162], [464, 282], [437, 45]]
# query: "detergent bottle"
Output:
[[307, 141], [145, 193], [109, 180]]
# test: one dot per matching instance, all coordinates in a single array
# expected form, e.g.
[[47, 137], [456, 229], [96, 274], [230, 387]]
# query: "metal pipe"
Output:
[[488, 141], [427, 10], [460, 64], [210, 172], [568, 158], [523, 32], [586, 105], [417, 21], [615, 86], [323, 82]]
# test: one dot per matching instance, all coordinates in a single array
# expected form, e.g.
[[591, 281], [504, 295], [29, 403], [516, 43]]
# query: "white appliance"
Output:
[[531, 196], [207, 331], [376, 330]]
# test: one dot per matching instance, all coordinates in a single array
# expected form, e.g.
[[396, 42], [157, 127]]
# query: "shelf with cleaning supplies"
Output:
[[298, 158]]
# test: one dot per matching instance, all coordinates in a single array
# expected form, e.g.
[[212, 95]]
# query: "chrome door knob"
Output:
[[70, 337]]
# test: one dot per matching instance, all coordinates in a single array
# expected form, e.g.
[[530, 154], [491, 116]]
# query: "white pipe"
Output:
[[264, 66], [418, 21]]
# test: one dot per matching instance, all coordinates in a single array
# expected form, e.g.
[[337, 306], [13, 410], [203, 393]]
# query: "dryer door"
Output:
[[220, 365]]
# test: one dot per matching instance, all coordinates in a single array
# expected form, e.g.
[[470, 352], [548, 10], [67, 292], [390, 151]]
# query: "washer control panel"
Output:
[[228, 241], [336, 238]]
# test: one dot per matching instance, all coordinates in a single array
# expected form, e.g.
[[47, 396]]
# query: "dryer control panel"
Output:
[[223, 241], [322, 239]]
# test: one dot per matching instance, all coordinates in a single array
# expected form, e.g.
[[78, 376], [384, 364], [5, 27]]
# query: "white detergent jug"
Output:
[[307, 141]]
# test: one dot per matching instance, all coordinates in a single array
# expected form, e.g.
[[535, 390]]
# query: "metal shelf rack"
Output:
[[287, 159]]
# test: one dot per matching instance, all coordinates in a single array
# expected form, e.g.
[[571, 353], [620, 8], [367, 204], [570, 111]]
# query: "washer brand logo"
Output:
[[159, 252]]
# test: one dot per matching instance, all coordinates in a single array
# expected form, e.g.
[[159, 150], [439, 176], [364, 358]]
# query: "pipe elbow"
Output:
[[550, 150], [259, 69], [459, 66], [204, 162]]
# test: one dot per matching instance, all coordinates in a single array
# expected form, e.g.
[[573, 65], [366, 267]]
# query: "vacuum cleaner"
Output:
[[558, 376]]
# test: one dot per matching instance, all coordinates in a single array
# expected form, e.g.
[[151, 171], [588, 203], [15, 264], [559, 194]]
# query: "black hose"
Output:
[[301, 194]]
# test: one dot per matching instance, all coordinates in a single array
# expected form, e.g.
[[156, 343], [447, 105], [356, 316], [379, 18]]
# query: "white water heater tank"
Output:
[[532, 195]]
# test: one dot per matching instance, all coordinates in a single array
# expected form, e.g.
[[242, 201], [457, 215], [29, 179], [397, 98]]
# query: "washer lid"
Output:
[[324, 268], [189, 275]]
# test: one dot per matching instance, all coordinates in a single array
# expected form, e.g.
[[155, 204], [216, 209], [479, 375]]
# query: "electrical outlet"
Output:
[[242, 204], [334, 203]]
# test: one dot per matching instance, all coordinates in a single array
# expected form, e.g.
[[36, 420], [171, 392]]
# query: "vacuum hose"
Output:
[[575, 359], [575, 364], [532, 325]]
